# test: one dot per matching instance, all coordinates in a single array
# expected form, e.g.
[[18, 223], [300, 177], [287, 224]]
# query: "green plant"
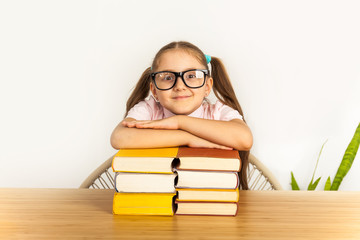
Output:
[[343, 169]]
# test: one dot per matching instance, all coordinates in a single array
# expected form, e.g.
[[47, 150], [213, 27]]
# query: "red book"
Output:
[[208, 159]]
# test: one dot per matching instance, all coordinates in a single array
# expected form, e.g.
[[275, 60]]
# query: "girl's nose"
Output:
[[179, 84]]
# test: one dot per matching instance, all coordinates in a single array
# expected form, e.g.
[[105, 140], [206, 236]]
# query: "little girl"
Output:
[[177, 113]]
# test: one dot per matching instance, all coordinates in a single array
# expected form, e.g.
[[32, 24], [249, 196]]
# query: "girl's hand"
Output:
[[166, 123]]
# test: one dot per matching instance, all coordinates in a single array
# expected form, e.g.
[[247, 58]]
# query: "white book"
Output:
[[207, 179], [145, 182]]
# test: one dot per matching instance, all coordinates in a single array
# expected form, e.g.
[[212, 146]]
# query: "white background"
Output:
[[68, 67]]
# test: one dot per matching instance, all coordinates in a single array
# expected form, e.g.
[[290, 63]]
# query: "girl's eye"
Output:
[[194, 75], [168, 77], [165, 77]]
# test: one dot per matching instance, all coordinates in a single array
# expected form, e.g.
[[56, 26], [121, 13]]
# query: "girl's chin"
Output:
[[183, 112], [182, 109]]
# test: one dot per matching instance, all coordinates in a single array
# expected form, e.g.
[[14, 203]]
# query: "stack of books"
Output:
[[208, 182], [144, 181], [184, 181]]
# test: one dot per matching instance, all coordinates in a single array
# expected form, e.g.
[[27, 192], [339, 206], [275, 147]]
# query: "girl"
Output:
[[177, 113]]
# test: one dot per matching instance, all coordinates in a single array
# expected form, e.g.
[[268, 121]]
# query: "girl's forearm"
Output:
[[234, 134], [124, 137]]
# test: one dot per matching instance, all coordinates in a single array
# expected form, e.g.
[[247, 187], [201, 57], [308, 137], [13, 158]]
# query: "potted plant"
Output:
[[343, 169]]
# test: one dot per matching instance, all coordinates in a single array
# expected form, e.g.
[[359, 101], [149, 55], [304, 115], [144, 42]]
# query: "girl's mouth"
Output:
[[180, 97]]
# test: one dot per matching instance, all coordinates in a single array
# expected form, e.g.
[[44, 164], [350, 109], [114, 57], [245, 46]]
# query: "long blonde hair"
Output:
[[222, 88]]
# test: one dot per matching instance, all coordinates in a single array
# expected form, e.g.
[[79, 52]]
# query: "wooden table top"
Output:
[[87, 214]]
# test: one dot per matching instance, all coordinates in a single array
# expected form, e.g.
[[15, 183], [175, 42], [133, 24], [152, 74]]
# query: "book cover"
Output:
[[207, 152], [148, 160], [143, 204], [208, 159], [206, 208], [207, 195], [148, 152]]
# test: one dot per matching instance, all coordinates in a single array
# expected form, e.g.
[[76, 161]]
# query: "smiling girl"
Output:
[[177, 112]]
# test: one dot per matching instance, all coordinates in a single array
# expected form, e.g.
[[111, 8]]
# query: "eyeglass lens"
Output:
[[193, 79]]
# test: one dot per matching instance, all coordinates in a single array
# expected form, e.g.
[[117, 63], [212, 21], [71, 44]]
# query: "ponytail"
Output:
[[224, 91], [141, 90], [244, 156], [222, 88]]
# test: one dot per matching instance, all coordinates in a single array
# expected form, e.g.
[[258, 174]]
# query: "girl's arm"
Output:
[[130, 137], [234, 134]]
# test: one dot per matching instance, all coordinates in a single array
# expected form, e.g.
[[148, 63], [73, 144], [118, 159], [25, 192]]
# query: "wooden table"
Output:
[[87, 214]]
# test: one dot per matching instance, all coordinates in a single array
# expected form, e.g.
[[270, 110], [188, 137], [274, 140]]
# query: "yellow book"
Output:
[[207, 195], [148, 152], [143, 204], [147, 160]]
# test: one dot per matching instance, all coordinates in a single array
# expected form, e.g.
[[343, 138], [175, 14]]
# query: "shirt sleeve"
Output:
[[140, 111], [148, 109], [226, 113]]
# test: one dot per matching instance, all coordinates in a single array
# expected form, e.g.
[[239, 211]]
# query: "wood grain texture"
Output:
[[87, 214]]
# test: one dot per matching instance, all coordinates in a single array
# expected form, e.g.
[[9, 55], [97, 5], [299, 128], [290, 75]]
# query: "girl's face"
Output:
[[180, 99]]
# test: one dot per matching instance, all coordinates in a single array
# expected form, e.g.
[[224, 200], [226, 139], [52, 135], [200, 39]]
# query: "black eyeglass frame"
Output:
[[180, 74]]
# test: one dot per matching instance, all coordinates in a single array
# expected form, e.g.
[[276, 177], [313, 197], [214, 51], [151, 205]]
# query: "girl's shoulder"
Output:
[[148, 109], [219, 111]]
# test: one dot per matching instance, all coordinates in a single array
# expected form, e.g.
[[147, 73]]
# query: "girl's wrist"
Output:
[[180, 121]]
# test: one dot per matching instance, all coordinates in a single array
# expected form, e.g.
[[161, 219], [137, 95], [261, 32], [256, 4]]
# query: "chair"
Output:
[[259, 177]]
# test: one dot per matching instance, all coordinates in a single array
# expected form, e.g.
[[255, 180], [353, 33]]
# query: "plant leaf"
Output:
[[347, 160], [312, 186], [317, 161], [294, 185], [327, 184]]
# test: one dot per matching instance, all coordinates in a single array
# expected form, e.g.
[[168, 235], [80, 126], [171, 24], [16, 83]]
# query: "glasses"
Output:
[[166, 80]]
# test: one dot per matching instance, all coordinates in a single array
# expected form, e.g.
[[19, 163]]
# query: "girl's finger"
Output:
[[142, 123]]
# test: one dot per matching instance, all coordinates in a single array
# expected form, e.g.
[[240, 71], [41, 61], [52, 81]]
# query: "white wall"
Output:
[[67, 69]]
